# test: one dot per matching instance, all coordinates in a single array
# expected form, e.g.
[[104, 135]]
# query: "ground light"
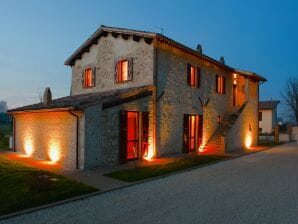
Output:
[[150, 154]]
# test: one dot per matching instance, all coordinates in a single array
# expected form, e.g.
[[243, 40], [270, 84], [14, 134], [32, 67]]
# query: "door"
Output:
[[133, 135], [193, 132]]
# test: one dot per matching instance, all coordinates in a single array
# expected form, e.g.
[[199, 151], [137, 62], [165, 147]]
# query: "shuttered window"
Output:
[[220, 84], [193, 75], [88, 78], [123, 70]]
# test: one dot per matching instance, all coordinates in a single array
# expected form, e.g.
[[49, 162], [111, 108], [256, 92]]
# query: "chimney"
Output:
[[222, 60], [199, 49], [47, 96]]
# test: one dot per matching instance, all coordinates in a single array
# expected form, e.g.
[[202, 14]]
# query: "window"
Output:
[[193, 75], [220, 84], [218, 119], [260, 116], [88, 78], [123, 71], [260, 130], [192, 134]]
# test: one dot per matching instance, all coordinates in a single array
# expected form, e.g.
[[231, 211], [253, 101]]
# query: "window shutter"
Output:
[[83, 78], [200, 131], [224, 84], [123, 136], [188, 74], [116, 71], [198, 77], [185, 133], [145, 132], [216, 83], [130, 68], [93, 76]]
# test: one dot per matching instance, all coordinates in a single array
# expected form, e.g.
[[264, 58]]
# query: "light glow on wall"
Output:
[[150, 153], [248, 139], [54, 151], [28, 146]]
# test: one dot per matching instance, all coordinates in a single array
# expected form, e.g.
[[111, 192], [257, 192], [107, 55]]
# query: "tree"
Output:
[[290, 97], [3, 106]]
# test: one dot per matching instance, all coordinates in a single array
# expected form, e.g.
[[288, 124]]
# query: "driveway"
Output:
[[257, 188]]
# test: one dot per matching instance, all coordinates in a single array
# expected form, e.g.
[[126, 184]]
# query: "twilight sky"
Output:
[[37, 36]]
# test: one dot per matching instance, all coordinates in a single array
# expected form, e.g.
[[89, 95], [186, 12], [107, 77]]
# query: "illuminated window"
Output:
[[193, 75], [88, 78], [219, 119], [123, 71], [220, 84]]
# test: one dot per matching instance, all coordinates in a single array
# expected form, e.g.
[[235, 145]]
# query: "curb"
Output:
[[81, 197]]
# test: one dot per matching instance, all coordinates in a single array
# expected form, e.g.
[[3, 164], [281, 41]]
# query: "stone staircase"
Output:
[[216, 143]]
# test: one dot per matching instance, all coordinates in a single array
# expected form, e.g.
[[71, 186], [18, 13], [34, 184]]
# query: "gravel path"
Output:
[[258, 188]]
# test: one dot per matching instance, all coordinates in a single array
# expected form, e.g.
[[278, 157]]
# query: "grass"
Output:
[[145, 172], [23, 187]]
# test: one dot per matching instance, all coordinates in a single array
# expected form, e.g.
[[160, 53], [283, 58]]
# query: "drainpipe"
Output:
[[13, 133], [77, 138]]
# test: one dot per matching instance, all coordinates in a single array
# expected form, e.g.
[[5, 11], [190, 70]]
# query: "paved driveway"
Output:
[[258, 188]]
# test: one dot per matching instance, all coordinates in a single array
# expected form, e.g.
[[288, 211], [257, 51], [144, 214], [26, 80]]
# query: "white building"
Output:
[[267, 116]]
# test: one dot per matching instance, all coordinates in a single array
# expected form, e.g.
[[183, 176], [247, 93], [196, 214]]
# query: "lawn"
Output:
[[145, 172], [23, 187]]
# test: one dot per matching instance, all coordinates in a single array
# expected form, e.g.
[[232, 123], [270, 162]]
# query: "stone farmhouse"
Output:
[[140, 95]]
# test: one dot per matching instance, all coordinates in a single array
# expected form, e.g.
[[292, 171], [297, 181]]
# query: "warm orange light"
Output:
[[28, 147], [201, 149], [248, 139], [150, 153], [54, 151]]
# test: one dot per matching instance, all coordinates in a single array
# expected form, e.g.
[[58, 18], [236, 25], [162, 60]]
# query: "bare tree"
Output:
[[3, 106], [290, 97]]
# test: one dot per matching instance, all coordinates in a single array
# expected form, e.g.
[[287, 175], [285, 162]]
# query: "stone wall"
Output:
[[44, 133], [110, 128], [248, 119], [92, 143], [104, 56], [179, 98]]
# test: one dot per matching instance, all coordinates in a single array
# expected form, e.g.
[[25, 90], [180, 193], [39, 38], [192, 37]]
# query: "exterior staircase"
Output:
[[216, 143]]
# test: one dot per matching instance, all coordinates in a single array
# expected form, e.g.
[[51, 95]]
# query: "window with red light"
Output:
[[220, 84], [123, 71], [193, 75], [219, 119], [193, 132], [132, 135], [88, 78]]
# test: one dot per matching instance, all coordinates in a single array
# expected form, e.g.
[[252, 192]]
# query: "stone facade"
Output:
[[105, 55], [110, 128], [178, 98], [156, 63]]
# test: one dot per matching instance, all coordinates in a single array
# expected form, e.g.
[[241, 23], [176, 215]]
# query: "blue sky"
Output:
[[36, 36]]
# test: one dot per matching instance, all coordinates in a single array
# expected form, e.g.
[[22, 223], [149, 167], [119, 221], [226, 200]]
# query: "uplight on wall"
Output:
[[248, 137], [28, 147], [54, 151]]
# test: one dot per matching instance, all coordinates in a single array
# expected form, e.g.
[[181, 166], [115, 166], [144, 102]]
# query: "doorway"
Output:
[[193, 132]]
